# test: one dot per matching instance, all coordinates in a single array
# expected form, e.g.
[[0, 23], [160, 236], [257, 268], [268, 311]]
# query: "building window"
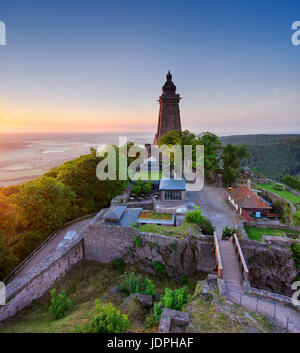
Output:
[[172, 195]]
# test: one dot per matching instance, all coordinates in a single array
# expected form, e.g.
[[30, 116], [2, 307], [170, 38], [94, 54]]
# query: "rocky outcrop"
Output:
[[271, 264], [187, 256], [176, 257]]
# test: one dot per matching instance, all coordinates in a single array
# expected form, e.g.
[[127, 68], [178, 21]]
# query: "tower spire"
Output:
[[169, 76], [169, 114]]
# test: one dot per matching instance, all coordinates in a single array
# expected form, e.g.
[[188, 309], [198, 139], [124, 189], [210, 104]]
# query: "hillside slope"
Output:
[[272, 155]]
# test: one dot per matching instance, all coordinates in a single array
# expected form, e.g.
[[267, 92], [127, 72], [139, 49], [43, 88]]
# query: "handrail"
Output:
[[30, 256], [238, 248], [218, 256]]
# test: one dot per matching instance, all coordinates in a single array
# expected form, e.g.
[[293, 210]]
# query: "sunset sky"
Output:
[[98, 66]]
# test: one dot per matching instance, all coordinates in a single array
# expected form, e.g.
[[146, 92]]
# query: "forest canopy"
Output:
[[32, 211]]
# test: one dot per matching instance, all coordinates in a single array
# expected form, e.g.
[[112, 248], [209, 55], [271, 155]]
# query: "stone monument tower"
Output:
[[169, 114]]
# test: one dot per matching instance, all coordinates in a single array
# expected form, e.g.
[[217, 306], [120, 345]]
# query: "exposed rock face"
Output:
[[187, 256], [179, 257], [271, 264]]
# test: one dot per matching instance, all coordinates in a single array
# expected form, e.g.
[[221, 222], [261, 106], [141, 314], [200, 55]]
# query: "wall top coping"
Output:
[[21, 282]]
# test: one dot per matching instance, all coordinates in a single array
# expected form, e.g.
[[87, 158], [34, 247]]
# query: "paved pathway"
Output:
[[51, 245], [284, 315], [212, 203]]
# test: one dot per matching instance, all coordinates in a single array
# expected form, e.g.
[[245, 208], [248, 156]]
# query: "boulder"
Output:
[[173, 321], [145, 300]]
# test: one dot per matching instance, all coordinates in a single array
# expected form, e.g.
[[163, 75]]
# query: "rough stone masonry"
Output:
[[187, 256]]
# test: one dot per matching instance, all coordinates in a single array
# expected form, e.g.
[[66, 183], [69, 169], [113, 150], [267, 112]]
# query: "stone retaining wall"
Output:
[[270, 225], [187, 256], [275, 199], [22, 291], [271, 264]]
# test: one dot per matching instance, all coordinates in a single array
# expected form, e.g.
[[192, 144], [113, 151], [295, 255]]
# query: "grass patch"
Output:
[[257, 233], [178, 232], [206, 317], [85, 283], [154, 215], [285, 193]]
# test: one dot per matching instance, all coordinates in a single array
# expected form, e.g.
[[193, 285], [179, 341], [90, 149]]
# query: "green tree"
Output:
[[211, 143], [45, 204], [8, 222], [212, 147], [231, 158], [92, 194], [28, 242], [7, 262]]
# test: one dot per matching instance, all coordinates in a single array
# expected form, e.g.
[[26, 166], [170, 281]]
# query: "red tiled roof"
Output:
[[246, 198]]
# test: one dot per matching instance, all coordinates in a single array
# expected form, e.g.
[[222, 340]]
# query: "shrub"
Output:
[[59, 304], [159, 268], [119, 264], [278, 187], [175, 299], [136, 284], [194, 216], [172, 299], [173, 246], [228, 232], [138, 241], [149, 287], [147, 187], [157, 311], [137, 189], [206, 227], [108, 319], [151, 320], [183, 279], [296, 253], [296, 217]]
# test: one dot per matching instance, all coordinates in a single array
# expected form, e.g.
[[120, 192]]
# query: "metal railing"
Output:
[[275, 312]]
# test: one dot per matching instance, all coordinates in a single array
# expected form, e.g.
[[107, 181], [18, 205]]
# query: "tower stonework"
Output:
[[169, 114]]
